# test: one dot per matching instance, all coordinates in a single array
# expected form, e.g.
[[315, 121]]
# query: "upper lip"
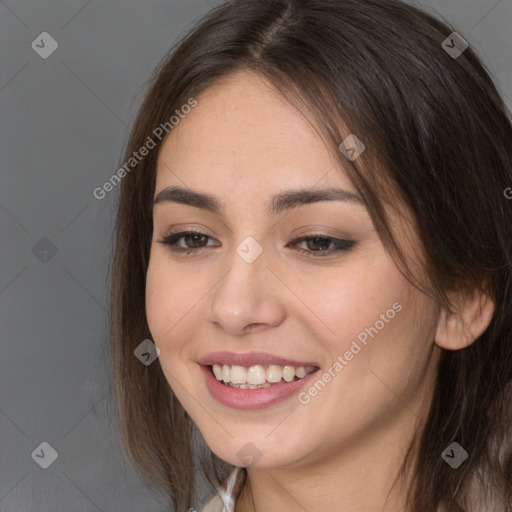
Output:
[[250, 359]]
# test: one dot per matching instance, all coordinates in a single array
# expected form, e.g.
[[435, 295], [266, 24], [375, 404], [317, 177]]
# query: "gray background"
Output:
[[64, 125]]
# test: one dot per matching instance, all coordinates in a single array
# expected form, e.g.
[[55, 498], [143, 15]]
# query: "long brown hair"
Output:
[[438, 137]]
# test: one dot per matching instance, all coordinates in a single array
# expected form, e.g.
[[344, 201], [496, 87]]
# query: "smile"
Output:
[[258, 376], [255, 396]]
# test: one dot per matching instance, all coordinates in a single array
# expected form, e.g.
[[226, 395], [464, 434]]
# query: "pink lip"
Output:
[[251, 398], [249, 359]]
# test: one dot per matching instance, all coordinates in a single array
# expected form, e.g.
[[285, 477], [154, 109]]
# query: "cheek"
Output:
[[346, 303], [378, 324], [172, 293], [167, 298], [385, 342], [155, 298], [169, 303]]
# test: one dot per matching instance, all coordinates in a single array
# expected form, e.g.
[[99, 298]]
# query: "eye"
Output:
[[318, 245], [195, 238]]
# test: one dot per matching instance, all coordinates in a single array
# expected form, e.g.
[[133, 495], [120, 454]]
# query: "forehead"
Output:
[[244, 132]]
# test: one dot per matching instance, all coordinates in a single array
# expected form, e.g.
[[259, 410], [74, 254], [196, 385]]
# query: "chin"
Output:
[[254, 451]]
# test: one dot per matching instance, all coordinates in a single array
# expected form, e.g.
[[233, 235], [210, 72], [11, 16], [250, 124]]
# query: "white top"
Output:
[[223, 501]]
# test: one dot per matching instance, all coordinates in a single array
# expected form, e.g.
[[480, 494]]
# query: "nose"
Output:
[[248, 297]]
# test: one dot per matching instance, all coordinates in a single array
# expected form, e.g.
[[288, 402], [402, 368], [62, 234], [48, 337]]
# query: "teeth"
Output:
[[300, 372], [238, 375], [274, 373], [249, 386], [256, 376], [217, 370], [288, 373]]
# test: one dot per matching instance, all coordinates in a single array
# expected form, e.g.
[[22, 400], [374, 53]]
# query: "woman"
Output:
[[316, 244]]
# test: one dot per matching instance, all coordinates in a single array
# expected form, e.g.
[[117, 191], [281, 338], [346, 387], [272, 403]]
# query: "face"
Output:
[[249, 285]]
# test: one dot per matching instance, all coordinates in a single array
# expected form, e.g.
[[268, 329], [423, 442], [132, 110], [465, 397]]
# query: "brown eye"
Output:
[[193, 240], [318, 245]]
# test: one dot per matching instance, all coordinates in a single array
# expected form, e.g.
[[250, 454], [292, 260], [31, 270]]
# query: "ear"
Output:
[[461, 326]]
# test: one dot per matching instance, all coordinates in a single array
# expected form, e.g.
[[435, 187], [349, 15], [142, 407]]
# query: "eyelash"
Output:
[[339, 245]]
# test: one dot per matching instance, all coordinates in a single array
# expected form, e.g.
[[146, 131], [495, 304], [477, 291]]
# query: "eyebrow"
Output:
[[280, 202]]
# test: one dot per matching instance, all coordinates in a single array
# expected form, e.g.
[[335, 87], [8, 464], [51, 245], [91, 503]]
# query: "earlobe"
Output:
[[459, 327]]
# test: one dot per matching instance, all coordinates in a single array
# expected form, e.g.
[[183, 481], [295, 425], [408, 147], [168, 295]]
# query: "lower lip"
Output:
[[251, 398]]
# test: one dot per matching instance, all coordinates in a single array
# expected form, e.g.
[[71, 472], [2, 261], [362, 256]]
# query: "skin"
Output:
[[341, 451]]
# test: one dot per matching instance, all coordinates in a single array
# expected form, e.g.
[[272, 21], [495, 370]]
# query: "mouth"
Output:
[[256, 386], [253, 380], [258, 376]]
